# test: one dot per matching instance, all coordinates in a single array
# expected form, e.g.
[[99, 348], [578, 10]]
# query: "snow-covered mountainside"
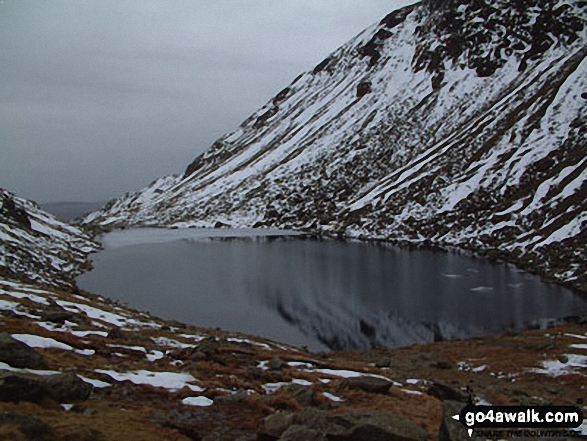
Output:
[[36, 247], [455, 123]]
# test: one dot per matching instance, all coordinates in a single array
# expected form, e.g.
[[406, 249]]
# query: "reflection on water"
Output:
[[322, 294]]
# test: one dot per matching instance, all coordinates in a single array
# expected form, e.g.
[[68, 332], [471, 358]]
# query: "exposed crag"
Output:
[[459, 123]]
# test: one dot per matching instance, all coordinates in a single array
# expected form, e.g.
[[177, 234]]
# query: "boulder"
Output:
[[451, 429], [369, 425], [66, 388], [304, 395], [373, 426], [58, 316], [18, 354], [63, 388], [15, 388], [274, 425], [366, 383], [302, 433], [444, 393], [30, 427]]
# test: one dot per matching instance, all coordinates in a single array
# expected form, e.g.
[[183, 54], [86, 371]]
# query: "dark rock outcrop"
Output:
[[19, 355], [367, 384], [63, 388], [30, 427]]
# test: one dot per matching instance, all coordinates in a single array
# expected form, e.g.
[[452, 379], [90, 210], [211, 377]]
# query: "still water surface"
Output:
[[319, 293]]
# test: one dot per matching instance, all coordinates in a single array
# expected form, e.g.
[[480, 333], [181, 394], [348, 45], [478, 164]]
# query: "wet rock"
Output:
[[274, 426], [18, 354], [447, 393], [30, 427], [367, 384], [66, 388]]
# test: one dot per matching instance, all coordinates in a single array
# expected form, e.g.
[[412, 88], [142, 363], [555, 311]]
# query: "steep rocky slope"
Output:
[[458, 123], [36, 247]]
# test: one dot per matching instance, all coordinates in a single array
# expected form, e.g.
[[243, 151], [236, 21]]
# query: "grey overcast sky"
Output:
[[100, 97]]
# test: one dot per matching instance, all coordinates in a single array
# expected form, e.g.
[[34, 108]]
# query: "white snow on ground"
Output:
[[273, 387], [21, 295], [164, 341], [34, 341], [555, 368], [96, 383], [251, 342], [152, 355], [332, 397], [350, 374], [105, 316], [300, 364], [197, 401], [168, 380], [7, 305], [86, 333], [582, 337], [411, 392], [193, 337], [6, 367]]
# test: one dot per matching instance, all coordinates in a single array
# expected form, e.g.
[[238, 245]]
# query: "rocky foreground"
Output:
[[76, 366]]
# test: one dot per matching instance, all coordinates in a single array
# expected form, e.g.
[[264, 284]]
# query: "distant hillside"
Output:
[[36, 247]]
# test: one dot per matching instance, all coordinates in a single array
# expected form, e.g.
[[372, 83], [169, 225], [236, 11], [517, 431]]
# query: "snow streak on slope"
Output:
[[35, 246], [455, 123]]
